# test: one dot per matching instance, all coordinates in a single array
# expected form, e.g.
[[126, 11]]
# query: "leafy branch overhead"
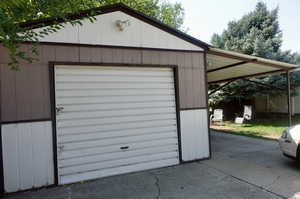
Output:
[[257, 33], [14, 13]]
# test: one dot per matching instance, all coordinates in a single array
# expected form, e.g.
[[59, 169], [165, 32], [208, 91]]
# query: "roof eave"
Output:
[[252, 59]]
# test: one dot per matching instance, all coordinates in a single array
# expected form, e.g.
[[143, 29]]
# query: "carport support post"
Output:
[[288, 79]]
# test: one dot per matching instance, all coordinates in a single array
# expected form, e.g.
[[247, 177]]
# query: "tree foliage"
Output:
[[15, 12], [257, 33], [168, 13]]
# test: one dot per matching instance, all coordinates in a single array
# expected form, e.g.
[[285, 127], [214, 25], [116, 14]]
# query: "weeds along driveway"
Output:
[[234, 172]]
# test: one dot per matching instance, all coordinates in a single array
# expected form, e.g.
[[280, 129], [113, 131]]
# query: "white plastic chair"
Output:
[[217, 116], [247, 112], [246, 116]]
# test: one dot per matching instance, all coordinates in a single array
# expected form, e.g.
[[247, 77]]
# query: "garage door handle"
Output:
[[59, 109], [124, 147]]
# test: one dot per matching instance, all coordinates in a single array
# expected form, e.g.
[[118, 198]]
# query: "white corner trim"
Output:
[[27, 155], [194, 134]]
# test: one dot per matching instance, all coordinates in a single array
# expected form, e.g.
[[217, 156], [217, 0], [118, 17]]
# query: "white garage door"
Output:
[[113, 120]]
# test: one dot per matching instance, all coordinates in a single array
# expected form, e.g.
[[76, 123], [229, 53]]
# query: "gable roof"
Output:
[[222, 66], [112, 8]]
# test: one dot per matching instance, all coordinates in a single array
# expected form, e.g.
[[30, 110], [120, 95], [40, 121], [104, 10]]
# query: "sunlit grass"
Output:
[[261, 129]]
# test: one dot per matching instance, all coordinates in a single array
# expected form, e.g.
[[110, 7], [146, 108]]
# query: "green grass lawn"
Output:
[[270, 129]]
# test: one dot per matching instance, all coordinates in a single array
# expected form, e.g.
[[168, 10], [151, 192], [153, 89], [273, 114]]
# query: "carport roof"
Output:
[[223, 66]]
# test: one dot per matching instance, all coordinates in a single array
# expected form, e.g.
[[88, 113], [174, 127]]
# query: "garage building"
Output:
[[123, 94]]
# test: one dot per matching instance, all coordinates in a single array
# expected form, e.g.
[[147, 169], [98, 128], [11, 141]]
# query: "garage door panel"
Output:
[[118, 162], [99, 77], [114, 120], [117, 141], [113, 85], [116, 99], [117, 170], [115, 126], [119, 106], [121, 154], [112, 113], [115, 71], [111, 92], [65, 154], [112, 134], [104, 79]]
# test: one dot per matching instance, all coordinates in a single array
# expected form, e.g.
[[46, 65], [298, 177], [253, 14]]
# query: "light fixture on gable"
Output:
[[121, 25]]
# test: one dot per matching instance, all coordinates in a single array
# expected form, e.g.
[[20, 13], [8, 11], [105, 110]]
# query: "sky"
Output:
[[205, 17]]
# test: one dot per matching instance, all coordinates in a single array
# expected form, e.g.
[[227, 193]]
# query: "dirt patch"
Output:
[[221, 128]]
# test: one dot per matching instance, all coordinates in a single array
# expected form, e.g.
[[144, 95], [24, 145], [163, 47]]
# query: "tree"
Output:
[[257, 33], [168, 13], [15, 12]]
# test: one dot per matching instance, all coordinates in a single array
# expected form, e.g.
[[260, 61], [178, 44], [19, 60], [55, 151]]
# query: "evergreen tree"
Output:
[[257, 33]]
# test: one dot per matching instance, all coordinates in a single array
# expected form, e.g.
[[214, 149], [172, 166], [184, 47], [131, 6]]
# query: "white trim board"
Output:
[[194, 134], [105, 32], [27, 155]]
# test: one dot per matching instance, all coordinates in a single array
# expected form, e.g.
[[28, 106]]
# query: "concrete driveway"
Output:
[[241, 167], [256, 162]]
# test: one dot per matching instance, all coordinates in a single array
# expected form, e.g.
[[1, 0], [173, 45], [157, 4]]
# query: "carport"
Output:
[[226, 66]]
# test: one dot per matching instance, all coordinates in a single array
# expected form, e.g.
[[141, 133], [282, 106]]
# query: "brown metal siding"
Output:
[[25, 93]]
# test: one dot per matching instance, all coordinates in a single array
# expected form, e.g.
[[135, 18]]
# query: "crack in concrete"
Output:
[[156, 185]]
